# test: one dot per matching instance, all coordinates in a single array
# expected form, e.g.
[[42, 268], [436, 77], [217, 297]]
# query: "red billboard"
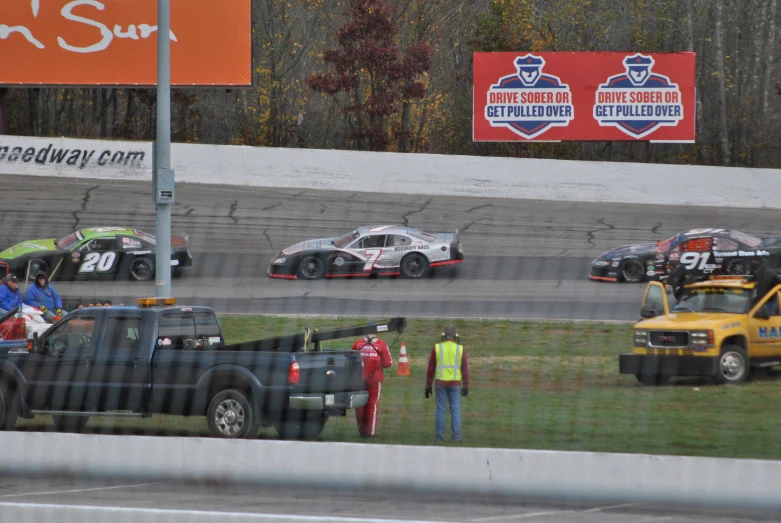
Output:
[[606, 96], [114, 42]]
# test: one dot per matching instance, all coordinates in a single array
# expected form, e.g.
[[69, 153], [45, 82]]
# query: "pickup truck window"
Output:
[[177, 327], [73, 334], [122, 332]]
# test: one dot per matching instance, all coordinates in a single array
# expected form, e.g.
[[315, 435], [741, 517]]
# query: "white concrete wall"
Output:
[[533, 474], [428, 174]]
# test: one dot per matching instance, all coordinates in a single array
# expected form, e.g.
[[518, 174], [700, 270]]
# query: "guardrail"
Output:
[[463, 472], [429, 174]]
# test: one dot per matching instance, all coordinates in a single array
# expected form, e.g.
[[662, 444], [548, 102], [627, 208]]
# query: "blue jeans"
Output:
[[450, 395]]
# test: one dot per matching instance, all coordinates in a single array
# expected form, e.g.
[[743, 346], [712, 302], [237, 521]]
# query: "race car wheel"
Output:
[[233, 415], [734, 365], [311, 268], [738, 267], [70, 423], [632, 271], [37, 265], [414, 266], [142, 269]]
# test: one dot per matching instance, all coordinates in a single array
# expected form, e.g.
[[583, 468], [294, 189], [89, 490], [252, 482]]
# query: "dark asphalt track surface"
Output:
[[524, 258]]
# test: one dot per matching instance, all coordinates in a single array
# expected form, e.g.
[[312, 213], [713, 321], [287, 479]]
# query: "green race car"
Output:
[[93, 253]]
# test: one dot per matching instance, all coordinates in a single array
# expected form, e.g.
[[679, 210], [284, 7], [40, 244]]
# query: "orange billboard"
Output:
[[114, 42]]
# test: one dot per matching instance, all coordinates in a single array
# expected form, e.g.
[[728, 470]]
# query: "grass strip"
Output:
[[535, 385]]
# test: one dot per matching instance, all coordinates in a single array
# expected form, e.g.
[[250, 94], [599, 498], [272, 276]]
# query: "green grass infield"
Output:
[[535, 385]]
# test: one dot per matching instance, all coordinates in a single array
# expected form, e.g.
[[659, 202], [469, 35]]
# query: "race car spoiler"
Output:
[[310, 340]]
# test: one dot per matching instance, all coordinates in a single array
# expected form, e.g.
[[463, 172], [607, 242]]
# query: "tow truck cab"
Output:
[[719, 328]]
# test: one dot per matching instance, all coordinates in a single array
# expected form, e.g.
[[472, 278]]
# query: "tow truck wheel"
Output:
[[650, 380], [232, 415], [9, 407], [70, 423], [734, 365], [300, 426], [632, 271]]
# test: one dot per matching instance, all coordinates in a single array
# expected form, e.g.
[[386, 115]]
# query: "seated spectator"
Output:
[[10, 295], [44, 297]]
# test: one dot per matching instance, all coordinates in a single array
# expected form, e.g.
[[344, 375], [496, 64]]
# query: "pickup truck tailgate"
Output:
[[330, 371]]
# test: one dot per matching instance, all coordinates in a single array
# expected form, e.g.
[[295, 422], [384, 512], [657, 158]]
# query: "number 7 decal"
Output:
[[372, 256]]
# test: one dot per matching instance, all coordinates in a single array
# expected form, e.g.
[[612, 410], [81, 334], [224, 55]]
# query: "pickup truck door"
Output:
[[654, 301], [121, 373], [765, 334], [59, 377]]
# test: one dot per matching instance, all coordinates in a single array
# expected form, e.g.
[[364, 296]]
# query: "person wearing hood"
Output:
[[10, 295], [44, 297]]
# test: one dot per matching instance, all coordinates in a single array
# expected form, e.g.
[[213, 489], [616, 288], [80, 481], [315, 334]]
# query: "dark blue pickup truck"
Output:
[[167, 359]]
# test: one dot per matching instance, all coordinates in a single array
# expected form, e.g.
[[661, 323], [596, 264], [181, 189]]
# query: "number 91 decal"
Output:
[[698, 261], [98, 262]]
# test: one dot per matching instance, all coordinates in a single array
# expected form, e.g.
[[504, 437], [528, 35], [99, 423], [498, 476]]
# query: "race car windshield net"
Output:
[[70, 241], [731, 301], [668, 244], [346, 239]]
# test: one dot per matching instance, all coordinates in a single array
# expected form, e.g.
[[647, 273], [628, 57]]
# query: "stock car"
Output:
[[93, 253], [386, 250], [702, 251]]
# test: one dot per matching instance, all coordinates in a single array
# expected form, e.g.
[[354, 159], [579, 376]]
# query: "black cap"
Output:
[[11, 277]]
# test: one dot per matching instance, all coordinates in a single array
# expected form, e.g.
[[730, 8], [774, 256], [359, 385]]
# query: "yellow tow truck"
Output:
[[719, 328]]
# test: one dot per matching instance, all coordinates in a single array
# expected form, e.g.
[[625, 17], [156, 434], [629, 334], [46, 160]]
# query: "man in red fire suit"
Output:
[[376, 357]]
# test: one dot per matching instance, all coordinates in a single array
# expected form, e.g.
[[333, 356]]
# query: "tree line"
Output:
[[396, 75]]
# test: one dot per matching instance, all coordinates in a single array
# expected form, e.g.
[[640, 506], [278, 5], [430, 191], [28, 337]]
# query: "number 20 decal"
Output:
[[96, 261], [692, 260]]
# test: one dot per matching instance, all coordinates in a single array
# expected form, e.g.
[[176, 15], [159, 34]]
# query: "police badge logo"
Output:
[[638, 101], [529, 102]]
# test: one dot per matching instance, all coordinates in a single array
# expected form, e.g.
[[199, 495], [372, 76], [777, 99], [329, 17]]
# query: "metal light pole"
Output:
[[162, 174]]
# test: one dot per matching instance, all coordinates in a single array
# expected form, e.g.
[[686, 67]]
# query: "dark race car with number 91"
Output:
[[702, 251], [386, 250], [93, 253]]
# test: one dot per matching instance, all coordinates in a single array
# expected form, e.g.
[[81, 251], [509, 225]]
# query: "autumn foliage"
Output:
[[374, 75]]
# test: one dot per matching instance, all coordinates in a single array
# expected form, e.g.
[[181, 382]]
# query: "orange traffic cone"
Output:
[[403, 369]]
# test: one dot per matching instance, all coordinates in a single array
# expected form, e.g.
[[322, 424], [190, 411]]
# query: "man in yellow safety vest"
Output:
[[449, 364]]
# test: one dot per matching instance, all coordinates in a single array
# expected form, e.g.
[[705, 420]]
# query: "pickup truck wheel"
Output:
[[650, 380], [70, 423], [302, 428], [734, 365], [9, 407], [232, 415]]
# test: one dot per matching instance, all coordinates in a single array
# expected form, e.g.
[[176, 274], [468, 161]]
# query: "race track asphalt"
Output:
[[524, 258], [210, 502]]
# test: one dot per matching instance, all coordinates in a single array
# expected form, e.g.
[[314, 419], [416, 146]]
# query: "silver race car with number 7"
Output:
[[385, 250]]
